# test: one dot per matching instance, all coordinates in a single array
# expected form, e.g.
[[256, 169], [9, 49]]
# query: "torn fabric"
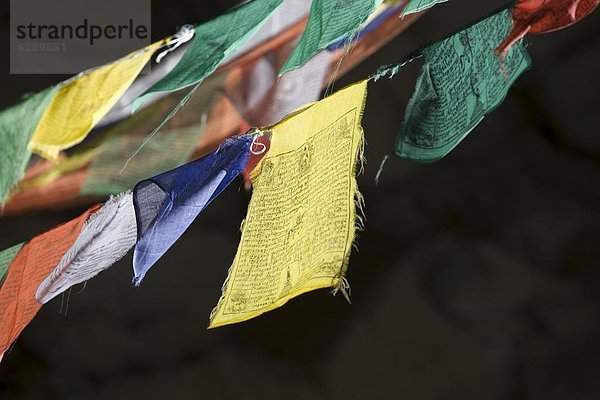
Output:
[[461, 82], [415, 6], [6, 257], [106, 237], [329, 21], [543, 16], [30, 267], [213, 42], [300, 224], [167, 204], [81, 103], [17, 124]]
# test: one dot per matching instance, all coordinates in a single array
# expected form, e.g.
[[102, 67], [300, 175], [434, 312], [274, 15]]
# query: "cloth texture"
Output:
[[81, 103], [329, 21], [131, 154], [543, 16], [105, 238], [300, 224], [167, 204], [213, 42], [17, 124], [461, 82], [6, 258], [415, 6], [30, 267]]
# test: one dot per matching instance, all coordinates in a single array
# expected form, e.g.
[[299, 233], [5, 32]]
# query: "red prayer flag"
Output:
[[34, 262], [543, 16]]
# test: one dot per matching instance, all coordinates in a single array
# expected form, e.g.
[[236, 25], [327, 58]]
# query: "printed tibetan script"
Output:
[[299, 229], [461, 82]]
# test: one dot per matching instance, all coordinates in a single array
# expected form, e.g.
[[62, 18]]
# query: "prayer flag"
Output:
[[105, 238], [17, 124], [542, 16], [81, 103], [300, 224], [30, 267], [461, 82], [329, 21], [167, 204]]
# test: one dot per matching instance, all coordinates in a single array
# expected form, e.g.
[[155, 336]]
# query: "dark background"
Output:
[[477, 276]]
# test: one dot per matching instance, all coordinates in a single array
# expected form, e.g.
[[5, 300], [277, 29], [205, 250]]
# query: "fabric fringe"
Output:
[[343, 285]]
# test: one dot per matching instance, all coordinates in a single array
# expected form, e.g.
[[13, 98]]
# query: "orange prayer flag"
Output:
[[543, 16], [30, 267]]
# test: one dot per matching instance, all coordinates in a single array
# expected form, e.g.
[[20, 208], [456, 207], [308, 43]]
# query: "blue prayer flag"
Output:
[[167, 204]]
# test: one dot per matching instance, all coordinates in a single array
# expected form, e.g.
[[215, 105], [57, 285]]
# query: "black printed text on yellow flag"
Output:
[[300, 224]]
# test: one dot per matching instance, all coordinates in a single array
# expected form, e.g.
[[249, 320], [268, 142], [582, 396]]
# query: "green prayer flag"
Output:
[[461, 82], [328, 22], [415, 6], [6, 257], [213, 42], [17, 124]]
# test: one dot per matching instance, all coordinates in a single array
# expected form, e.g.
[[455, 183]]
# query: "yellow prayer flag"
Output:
[[80, 104], [300, 225]]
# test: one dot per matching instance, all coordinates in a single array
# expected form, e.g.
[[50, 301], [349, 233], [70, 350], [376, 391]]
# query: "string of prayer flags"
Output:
[[167, 204], [106, 237], [329, 21], [82, 102], [415, 6], [29, 268], [300, 224], [6, 257], [543, 16], [17, 124], [65, 185], [214, 41], [461, 81]]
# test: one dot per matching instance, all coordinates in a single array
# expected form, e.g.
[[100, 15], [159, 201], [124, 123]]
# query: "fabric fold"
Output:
[[167, 204], [461, 81], [81, 103], [106, 237], [329, 21]]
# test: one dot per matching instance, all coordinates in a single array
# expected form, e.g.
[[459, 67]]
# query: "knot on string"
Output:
[[261, 146], [185, 34]]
